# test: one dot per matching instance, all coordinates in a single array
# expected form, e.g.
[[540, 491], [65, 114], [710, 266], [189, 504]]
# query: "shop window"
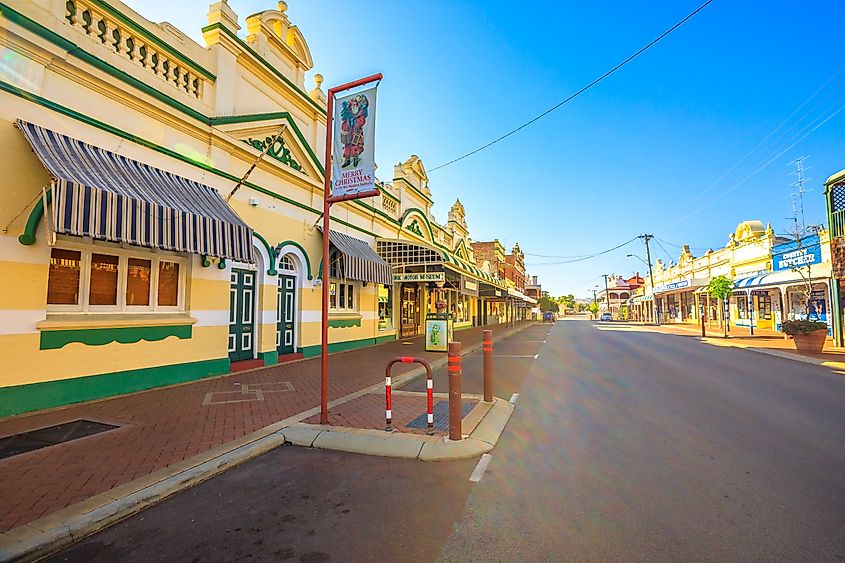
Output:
[[385, 308], [138, 282], [742, 306], [168, 284], [63, 279], [764, 306], [103, 287], [342, 296], [110, 279]]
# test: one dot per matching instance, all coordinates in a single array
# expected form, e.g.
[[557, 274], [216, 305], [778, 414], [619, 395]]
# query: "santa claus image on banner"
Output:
[[353, 116]]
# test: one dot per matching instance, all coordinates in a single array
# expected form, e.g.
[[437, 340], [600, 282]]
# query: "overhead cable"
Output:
[[586, 257], [578, 93]]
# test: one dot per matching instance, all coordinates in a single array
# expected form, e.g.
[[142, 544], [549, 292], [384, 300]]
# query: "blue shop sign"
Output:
[[791, 254]]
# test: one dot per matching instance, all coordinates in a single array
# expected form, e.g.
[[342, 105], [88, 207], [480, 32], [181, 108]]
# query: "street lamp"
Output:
[[638, 258]]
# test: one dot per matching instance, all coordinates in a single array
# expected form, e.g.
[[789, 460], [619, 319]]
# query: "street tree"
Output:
[[548, 303], [594, 309], [721, 288]]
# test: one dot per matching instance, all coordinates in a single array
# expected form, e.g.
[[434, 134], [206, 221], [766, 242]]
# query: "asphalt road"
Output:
[[625, 445]]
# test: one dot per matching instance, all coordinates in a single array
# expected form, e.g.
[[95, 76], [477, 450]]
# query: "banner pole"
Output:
[[324, 318], [327, 202]]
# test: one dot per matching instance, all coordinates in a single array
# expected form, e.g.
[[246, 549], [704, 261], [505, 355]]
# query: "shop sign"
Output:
[[469, 287], [438, 334], [421, 277], [671, 286], [353, 136], [795, 254]]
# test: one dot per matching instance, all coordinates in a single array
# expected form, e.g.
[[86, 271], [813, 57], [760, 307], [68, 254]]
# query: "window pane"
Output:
[[168, 284], [138, 282], [342, 301], [349, 304], [332, 296], [63, 280], [103, 280]]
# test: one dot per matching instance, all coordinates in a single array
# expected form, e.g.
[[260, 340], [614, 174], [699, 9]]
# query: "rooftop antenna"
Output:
[[798, 196]]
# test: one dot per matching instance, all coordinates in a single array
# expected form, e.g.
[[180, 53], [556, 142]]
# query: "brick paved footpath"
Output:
[[160, 427]]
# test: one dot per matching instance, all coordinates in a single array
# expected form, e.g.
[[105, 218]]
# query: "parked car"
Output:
[[549, 317], [606, 317]]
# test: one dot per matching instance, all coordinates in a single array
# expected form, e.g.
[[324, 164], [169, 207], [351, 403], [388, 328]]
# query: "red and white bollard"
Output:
[[388, 399], [388, 380]]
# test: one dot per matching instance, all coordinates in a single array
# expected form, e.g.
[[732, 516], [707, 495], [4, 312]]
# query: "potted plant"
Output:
[[808, 336]]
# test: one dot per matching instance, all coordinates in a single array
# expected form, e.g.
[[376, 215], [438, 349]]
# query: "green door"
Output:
[[241, 322], [285, 314]]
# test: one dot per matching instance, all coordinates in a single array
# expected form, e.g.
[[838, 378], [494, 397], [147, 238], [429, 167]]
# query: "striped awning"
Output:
[[360, 262], [107, 196]]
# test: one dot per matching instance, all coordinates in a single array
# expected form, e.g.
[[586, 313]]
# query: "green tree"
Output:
[[721, 288], [594, 309], [548, 303]]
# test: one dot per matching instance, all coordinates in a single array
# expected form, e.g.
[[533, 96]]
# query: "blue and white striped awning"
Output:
[[360, 262], [818, 272], [106, 196]]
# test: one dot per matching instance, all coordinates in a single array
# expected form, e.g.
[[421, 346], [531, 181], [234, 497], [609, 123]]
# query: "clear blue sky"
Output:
[[657, 147]]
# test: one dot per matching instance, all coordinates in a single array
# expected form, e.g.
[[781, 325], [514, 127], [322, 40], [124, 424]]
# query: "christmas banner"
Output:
[[353, 136]]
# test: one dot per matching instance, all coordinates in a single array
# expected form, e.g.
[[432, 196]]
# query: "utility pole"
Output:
[[656, 317], [607, 296]]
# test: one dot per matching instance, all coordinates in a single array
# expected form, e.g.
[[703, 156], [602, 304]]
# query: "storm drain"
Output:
[[441, 416], [50, 436]]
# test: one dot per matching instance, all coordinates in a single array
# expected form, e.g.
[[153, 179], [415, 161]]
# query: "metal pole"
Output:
[[607, 296], [327, 202], [487, 348], [324, 319], [651, 279], [454, 368], [750, 313]]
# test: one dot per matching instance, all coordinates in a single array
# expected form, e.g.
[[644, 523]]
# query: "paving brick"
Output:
[[160, 427]]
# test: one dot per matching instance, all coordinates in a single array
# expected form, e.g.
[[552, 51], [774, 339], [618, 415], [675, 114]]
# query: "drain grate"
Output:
[[441, 416], [43, 437]]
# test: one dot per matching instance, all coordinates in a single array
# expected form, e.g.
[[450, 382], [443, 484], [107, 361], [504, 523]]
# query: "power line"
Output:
[[680, 246], [579, 92], [758, 170], [664, 249], [587, 257], [772, 132]]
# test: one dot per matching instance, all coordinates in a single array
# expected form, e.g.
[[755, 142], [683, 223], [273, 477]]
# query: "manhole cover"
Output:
[[441, 416], [43, 437]]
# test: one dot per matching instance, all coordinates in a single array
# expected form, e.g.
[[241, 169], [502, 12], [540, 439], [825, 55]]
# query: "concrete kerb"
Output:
[[55, 531], [481, 440], [46, 535]]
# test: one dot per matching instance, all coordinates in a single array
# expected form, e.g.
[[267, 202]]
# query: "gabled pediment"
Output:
[[290, 150]]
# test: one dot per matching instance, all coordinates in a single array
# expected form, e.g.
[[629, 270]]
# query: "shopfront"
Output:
[[676, 301], [425, 277]]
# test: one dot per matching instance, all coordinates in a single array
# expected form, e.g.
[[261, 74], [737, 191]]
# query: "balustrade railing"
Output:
[[837, 224], [113, 35]]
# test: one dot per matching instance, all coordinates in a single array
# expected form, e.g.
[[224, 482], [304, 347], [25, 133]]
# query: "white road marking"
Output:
[[479, 470], [513, 356], [514, 397], [536, 356]]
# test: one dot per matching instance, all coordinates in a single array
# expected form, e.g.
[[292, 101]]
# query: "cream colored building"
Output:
[[143, 271], [765, 293]]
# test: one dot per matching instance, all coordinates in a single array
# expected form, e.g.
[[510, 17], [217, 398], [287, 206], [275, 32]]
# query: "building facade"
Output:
[[775, 279], [131, 260]]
